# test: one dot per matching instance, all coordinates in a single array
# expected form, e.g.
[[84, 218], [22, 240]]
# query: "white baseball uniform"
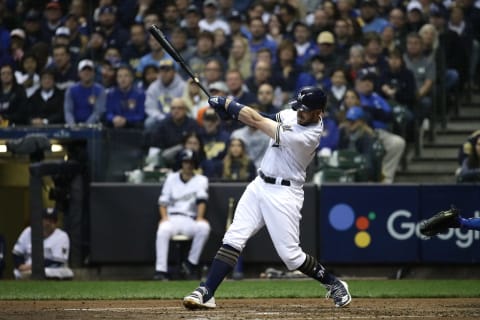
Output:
[[56, 247], [181, 198], [274, 204]]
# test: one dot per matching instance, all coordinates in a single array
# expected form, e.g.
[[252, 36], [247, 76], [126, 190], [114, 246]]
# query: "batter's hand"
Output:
[[218, 103]]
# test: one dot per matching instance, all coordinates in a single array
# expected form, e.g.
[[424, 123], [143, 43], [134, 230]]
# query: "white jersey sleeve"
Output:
[[23, 246], [57, 246]]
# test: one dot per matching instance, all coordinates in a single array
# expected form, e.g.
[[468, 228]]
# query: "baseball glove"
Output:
[[440, 222]]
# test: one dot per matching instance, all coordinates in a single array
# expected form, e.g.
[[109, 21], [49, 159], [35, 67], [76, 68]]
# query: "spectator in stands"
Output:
[[222, 43], [142, 9], [398, 87], [149, 75], [415, 14], [52, 21], [240, 57], [357, 135], [46, 104], [85, 100], [256, 142], [13, 100], [346, 10], [237, 88], [369, 19], [213, 72], [96, 46], [13, 54], [156, 55], [211, 21], [170, 18], [237, 165], [136, 47], [192, 141], [107, 75], [182, 208], [78, 36], [397, 20], [205, 51], [237, 28], [62, 38], [289, 14], [215, 140], [470, 170], [275, 29], [375, 61], [343, 39], [336, 92], [151, 16], [56, 249], [266, 99], [326, 42], [356, 62], [194, 98], [259, 38], [28, 76], [161, 92], [116, 35], [314, 75], [285, 71], [191, 24], [388, 40], [32, 27], [424, 74], [65, 73], [179, 42], [125, 103], [305, 46], [167, 135], [379, 116], [262, 73]]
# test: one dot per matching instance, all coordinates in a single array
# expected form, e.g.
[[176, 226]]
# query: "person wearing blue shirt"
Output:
[[125, 103], [85, 100], [259, 39], [369, 20]]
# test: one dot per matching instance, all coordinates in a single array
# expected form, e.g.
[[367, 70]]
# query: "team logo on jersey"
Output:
[[286, 127]]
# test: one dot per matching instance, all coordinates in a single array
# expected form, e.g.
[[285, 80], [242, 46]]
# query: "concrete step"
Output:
[[467, 112], [463, 126], [432, 167], [447, 139], [424, 178], [441, 154]]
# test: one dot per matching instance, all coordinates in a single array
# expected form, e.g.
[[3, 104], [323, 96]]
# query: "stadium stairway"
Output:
[[437, 161]]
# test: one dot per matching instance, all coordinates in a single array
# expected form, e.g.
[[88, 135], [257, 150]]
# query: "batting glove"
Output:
[[218, 104]]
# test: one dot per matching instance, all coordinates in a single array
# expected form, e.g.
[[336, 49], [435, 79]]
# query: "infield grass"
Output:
[[102, 290]]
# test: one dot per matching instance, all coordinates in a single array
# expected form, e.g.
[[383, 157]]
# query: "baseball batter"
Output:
[[182, 206], [274, 199]]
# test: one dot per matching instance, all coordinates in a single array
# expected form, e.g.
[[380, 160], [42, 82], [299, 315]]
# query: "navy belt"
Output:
[[180, 214], [273, 180]]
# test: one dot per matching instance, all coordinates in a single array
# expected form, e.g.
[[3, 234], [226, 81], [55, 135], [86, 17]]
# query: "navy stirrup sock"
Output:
[[312, 268], [222, 264]]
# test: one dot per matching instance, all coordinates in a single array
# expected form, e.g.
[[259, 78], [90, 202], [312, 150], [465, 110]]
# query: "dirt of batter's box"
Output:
[[240, 309]]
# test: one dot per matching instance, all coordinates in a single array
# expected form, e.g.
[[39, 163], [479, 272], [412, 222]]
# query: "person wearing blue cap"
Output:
[[56, 248], [357, 135]]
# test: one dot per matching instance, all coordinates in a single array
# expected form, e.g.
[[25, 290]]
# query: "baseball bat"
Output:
[[167, 46]]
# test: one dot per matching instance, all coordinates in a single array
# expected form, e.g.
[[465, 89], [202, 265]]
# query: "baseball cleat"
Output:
[[195, 300], [339, 293]]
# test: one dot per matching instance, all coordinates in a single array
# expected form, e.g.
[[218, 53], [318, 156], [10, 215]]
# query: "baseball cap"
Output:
[[414, 5], [108, 9], [219, 86], [85, 63], [192, 8], [210, 115], [33, 15], [326, 37], [62, 31], [365, 74], [355, 113], [17, 33], [166, 64], [53, 5], [235, 15], [210, 3], [50, 213]]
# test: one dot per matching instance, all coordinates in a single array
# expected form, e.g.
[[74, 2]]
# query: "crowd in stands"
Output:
[[76, 61]]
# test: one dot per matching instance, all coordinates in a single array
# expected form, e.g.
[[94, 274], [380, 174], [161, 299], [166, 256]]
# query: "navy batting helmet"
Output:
[[309, 99], [189, 155]]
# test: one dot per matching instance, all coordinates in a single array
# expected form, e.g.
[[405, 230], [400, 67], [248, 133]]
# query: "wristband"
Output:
[[234, 108]]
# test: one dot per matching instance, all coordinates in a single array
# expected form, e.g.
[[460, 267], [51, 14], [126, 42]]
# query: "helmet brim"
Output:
[[298, 106]]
